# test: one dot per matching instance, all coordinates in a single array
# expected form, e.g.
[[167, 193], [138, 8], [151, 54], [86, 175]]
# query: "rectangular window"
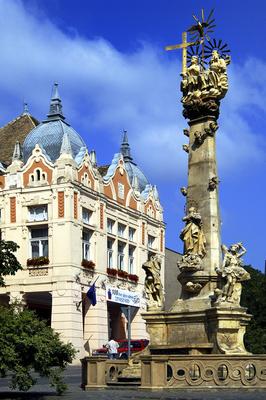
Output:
[[131, 250], [131, 234], [121, 230], [86, 237], [37, 213], [151, 240], [121, 190], [110, 225], [86, 215], [120, 255], [39, 242], [110, 244]]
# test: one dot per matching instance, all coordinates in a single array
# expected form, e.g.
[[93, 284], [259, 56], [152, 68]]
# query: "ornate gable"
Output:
[[117, 185], [38, 170], [85, 172]]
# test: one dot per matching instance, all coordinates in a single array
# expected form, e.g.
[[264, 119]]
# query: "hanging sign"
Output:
[[123, 296]]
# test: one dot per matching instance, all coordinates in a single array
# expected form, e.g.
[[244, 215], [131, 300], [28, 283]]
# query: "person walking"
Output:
[[112, 347]]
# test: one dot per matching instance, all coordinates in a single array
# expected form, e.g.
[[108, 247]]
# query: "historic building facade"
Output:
[[75, 224]]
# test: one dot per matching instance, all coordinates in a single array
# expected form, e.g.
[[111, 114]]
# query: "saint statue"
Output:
[[189, 82], [199, 83], [233, 272], [153, 284], [193, 235], [217, 75]]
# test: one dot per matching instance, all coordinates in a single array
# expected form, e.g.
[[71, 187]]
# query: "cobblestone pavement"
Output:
[[42, 391]]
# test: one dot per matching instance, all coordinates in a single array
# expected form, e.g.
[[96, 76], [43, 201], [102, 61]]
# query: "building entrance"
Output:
[[117, 321]]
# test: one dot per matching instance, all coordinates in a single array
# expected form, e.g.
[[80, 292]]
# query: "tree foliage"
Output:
[[254, 298], [9, 264], [28, 344]]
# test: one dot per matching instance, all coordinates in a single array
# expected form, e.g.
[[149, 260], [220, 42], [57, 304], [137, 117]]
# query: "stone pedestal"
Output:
[[227, 327]]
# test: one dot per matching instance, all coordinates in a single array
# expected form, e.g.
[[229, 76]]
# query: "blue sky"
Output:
[[108, 58]]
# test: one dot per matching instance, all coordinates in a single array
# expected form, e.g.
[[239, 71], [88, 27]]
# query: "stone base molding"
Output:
[[203, 371]]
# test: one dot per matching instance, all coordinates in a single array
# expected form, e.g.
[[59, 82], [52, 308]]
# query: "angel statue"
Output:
[[233, 272], [153, 284]]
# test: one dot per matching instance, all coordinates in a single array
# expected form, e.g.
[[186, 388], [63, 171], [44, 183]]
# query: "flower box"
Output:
[[111, 271], [122, 274], [133, 278], [37, 261], [88, 264]]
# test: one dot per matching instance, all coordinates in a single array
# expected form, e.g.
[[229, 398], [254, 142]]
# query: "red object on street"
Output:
[[136, 345]]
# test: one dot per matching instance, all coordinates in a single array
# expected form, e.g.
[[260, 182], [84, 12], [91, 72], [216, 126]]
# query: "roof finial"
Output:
[[93, 158], [25, 109], [125, 148], [135, 183], [55, 111], [17, 153], [66, 145]]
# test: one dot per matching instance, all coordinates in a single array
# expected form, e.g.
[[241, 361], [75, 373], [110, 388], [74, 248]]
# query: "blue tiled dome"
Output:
[[49, 134], [133, 170]]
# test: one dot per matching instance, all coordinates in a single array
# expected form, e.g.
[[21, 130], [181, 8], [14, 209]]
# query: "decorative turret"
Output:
[[93, 158], [55, 111], [17, 153], [125, 148], [131, 166], [66, 145]]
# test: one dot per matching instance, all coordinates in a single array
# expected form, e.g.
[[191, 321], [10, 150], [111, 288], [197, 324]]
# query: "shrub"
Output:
[[28, 345]]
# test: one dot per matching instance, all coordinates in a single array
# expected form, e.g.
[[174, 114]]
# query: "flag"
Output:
[[91, 294]]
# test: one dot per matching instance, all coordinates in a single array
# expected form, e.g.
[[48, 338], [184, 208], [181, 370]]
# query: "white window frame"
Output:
[[86, 215], [34, 216], [131, 234], [151, 241], [110, 225], [120, 257], [121, 232], [39, 239], [110, 253], [131, 260], [86, 246]]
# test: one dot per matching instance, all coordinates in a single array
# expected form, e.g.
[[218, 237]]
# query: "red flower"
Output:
[[88, 264], [111, 271], [133, 277], [37, 261]]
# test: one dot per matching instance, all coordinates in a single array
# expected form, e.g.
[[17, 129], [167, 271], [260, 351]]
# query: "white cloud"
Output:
[[106, 91]]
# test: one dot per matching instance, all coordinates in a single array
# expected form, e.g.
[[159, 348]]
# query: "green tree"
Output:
[[9, 264], [28, 344], [254, 298]]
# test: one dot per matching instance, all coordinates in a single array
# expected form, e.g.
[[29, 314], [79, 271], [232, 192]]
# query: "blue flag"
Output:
[[91, 294]]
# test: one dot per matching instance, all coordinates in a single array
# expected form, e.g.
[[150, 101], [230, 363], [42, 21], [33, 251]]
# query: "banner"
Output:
[[123, 296]]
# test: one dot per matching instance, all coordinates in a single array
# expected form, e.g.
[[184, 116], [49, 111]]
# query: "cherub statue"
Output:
[[193, 235], [233, 272], [153, 284]]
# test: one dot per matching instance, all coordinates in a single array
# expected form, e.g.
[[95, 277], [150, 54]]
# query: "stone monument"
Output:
[[207, 320], [199, 342]]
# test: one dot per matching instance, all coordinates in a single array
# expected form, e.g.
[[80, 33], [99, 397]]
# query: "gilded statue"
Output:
[[193, 235], [153, 284], [199, 83], [233, 274]]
